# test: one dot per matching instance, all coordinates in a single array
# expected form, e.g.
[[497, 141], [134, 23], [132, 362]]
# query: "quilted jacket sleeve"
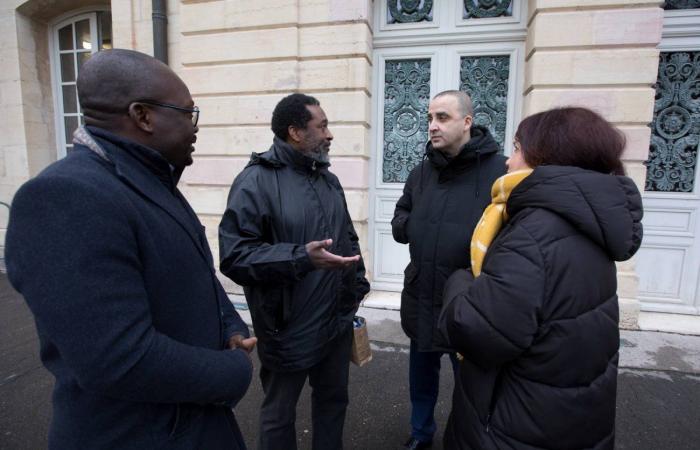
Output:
[[493, 319]]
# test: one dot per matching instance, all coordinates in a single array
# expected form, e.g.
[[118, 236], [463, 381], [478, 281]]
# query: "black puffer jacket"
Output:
[[539, 327], [441, 204], [278, 203]]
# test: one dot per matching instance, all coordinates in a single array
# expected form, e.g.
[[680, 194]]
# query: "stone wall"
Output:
[[240, 58], [26, 93], [600, 54]]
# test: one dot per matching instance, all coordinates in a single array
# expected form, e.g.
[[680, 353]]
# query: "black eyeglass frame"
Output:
[[194, 111]]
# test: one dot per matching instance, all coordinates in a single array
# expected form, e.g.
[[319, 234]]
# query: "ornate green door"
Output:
[[668, 263], [422, 48]]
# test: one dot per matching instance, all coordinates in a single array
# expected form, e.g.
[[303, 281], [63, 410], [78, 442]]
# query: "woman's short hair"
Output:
[[571, 136]]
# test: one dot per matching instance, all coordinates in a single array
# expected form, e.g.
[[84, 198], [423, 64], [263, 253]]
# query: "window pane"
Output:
[[82, 34], [65, 38], [481, 9], [675, 129], [409, 11], [105, 30], [70, 103], [681, 4], [71, 123], [406, 98], [67, 67], [82, 57], [485, 79]]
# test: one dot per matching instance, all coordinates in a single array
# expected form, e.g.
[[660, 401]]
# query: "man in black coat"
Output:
[[441, 204], [145, 346], [287, 238]]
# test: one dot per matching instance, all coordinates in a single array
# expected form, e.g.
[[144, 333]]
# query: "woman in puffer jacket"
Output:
[[536, 317]]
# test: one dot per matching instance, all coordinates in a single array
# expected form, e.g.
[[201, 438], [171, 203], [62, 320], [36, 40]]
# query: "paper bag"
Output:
[[361, 353]]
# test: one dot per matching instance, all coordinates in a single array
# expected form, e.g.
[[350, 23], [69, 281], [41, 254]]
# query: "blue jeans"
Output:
[[424, 383]]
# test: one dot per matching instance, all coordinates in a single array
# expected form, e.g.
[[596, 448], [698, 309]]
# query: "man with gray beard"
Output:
[[288, 239]]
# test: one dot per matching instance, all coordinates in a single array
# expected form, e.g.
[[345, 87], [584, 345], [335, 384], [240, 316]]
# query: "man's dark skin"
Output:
[[112, 105]]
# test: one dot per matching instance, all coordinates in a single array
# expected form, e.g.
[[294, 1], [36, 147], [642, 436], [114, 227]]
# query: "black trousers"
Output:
[[329, 400]]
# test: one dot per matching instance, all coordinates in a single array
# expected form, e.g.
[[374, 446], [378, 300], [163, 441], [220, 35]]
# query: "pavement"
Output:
[[658, 399]]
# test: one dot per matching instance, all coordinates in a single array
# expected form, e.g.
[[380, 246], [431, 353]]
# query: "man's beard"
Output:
[[319, 153]]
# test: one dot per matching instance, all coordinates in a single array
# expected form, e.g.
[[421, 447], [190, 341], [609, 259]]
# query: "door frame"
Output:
[[445, 63], [681, 32]]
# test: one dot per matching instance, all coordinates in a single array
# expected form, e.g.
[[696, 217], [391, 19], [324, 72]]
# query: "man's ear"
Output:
[[295, 134], [468, 120], [141, 116]]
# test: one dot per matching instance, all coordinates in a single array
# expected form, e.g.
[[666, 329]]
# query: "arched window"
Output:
[[73, 40]]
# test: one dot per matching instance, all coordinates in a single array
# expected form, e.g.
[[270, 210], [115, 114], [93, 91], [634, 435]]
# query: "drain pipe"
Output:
[[160, 31]]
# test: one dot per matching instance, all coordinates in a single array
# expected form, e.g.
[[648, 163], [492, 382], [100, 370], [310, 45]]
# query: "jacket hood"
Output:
[[481, 143], [606, 208], [282, 154]]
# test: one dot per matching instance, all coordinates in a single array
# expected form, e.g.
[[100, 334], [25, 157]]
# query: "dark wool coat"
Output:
[[278, 203], [441, 204], [539, 327], [131, 317]]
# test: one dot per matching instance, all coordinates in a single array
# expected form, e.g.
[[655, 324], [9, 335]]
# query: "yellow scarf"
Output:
[[494, 217]]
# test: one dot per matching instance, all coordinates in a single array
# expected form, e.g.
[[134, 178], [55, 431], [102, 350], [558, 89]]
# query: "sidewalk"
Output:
[[658, 388]]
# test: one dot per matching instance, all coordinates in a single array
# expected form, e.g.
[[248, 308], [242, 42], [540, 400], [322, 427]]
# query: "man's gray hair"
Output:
[[463, 99]]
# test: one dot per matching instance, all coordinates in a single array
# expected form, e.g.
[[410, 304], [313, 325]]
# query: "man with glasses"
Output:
[[144, 344], [194, 112]]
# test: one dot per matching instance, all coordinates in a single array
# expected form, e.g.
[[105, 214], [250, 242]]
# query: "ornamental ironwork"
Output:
[[480, 9], [675, 129], [406, 99], [408, 11], [485, 79], [681, 4]]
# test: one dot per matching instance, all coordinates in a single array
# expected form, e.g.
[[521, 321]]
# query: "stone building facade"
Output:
[[374, 64]]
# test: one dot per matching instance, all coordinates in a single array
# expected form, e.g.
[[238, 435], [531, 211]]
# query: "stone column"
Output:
[[600, 54], [132, 26], [26, 103], [240, 58]]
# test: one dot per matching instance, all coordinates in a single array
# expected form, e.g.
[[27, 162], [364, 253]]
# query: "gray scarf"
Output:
[[83, 137]]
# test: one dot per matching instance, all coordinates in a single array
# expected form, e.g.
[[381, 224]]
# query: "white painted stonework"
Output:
[[240, 58]]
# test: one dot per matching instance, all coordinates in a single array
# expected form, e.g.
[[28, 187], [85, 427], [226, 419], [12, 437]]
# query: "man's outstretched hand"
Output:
[[323, 259]]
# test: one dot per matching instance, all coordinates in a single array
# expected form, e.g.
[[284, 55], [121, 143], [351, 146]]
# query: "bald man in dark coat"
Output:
[[145, 346]]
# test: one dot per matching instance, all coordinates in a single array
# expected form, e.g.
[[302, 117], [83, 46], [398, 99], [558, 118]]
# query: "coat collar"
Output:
[[289, 156], [481, 144], [145, 171]]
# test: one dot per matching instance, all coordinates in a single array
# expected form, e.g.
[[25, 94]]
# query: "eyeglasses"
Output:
[[194, 111]]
